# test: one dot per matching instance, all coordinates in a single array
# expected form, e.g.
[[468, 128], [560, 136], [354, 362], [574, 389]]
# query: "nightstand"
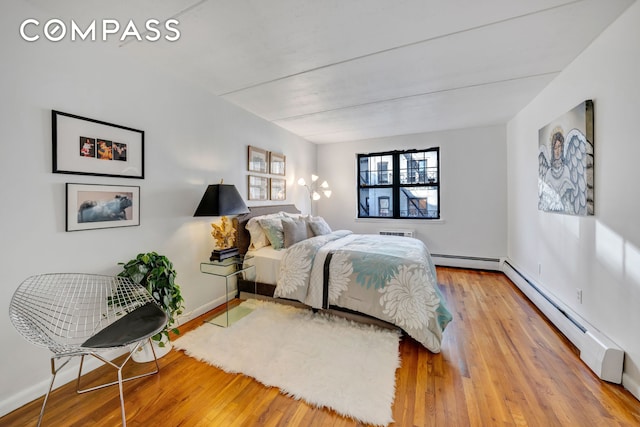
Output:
[[229, 269]]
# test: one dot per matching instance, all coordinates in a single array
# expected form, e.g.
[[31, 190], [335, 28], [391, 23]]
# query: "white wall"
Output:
[[192, 139], [473, 190], [600, 254]]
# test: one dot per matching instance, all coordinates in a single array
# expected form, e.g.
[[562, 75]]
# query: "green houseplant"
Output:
[[156, 273]]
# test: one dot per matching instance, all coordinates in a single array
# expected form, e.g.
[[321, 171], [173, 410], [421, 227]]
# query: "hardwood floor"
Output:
[[502, 364]]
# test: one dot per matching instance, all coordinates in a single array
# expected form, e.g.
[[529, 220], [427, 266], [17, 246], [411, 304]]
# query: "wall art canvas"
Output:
[[92, 206], [566, 163], [83, 146]]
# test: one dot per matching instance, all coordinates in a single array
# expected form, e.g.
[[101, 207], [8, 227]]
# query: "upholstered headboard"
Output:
[[244, 239]]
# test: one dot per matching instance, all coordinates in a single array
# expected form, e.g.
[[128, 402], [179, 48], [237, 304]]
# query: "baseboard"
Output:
[[68, 374], [631, 385], [461, 261], [205, 308], [597, 351]]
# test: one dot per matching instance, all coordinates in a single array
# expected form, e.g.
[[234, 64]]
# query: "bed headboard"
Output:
[[244, 239]]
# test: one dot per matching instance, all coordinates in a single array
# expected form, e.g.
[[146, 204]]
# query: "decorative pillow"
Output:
[[293, 215], [319, 226], [272, 228], [295, 230], [258, 238]]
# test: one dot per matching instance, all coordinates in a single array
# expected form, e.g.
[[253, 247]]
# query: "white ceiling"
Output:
[[339, 70]]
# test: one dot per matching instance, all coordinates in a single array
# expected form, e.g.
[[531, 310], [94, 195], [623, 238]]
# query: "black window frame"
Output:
[[364, 182]]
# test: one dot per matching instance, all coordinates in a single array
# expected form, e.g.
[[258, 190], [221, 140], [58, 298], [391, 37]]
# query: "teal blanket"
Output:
[[388, 277]]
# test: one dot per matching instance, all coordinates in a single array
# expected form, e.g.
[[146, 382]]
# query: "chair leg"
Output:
[[107, 362], [54, 372], [120, 380], [124, 417]]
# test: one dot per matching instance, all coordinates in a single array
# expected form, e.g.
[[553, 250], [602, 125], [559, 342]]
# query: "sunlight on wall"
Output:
[[609, 248], [632, 263]]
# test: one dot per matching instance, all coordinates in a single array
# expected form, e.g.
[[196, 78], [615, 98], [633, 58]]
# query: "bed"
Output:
[[388, 278]]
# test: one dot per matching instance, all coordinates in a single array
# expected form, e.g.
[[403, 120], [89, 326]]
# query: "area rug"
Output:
[[324, 360]]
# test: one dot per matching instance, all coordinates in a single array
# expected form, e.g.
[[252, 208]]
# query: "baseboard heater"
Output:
[[470, 258], [462, 261], [597, 351]]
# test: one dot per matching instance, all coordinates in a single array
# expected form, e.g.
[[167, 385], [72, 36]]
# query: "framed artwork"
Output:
[[94, 206], [278, 189], [85, 146], [258, 187], [277, 164], [258, 160], [566, 162]]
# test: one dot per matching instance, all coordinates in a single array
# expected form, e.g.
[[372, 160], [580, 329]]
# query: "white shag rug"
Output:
[[324, 360]]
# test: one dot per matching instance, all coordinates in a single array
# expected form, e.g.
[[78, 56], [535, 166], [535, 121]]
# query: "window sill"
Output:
[[414, 221]]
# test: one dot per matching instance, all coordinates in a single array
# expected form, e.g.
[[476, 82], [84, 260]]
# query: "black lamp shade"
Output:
[[221, 199]]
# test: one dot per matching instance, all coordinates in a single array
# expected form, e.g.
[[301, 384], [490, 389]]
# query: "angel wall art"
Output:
[[565, 163]]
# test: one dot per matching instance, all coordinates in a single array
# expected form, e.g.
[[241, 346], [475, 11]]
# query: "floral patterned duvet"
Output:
[[388, 277]]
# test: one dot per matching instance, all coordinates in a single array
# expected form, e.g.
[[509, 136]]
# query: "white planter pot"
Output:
[[144, 353]]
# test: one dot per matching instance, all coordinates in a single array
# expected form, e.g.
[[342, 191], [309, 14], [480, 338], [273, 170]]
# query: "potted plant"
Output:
[[156, 273]]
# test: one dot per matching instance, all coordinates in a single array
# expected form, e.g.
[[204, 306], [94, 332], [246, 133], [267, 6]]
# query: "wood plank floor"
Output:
[[502, 364]]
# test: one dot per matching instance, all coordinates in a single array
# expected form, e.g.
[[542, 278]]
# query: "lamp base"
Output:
[[220, 254]]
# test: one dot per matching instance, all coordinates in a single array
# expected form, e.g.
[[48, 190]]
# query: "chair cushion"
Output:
[[141, 323]]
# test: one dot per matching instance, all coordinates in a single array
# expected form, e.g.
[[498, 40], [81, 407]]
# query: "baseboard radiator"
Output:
[[462, 261], [597, 351]]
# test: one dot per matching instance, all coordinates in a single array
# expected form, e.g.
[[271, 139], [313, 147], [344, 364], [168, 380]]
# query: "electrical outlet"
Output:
[[579, 295], [539, 269]]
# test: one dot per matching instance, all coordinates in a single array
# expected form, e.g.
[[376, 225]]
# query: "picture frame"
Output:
[[277, 164], [258, 160], [96, 206], [278, 190], [258, 187], [84, 146]]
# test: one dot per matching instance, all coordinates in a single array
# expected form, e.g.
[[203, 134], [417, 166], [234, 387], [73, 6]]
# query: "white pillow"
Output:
[[258, 238], [319, 226]]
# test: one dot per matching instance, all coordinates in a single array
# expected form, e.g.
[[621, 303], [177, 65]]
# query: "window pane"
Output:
[[376, 202], [376, 170], [419, 202], [419, 168]]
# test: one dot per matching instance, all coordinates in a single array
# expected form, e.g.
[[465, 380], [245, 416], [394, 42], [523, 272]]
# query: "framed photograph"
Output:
[[258, 160], [258, 187], [277, 164], [278, 189], [93, 206], [83, 146]]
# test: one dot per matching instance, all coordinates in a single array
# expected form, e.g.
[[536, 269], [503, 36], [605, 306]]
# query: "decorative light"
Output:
[[222, 200], [314, 188]]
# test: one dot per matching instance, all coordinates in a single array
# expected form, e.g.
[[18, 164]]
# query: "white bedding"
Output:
[[267, 262]]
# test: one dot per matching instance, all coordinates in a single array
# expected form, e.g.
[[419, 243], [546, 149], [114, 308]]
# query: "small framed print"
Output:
[[258, 187], [83, 146], [278, 189], [94, 206], [277, 164], [258, 160]]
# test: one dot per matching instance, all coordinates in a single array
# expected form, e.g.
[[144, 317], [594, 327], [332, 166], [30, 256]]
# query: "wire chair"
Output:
[[77, 314]]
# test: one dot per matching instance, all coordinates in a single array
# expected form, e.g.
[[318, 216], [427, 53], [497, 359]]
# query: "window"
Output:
[[399, 184]]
